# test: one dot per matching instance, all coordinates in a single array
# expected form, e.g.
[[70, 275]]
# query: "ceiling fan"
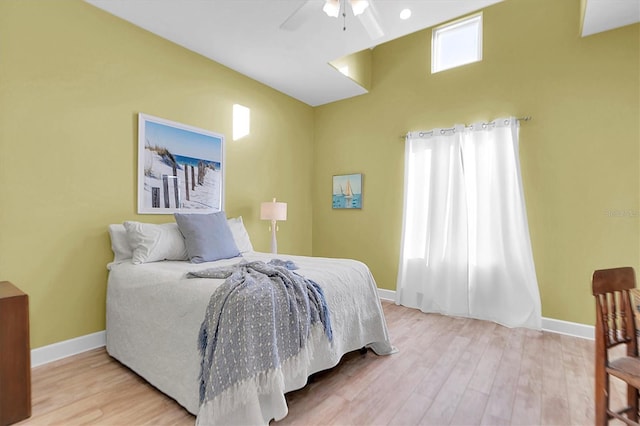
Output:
[[362, 9]]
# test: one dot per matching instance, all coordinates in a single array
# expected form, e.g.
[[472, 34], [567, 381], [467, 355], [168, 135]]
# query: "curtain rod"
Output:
[[451, 129]]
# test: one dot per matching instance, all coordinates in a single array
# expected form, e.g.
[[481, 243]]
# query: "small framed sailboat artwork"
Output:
[[347, 191]]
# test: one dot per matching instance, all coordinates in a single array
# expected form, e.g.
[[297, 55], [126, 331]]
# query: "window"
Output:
[[241, 121], [457, 43]]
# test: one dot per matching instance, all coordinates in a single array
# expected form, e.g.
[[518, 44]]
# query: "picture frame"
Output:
[[347, 191], [180, 167]]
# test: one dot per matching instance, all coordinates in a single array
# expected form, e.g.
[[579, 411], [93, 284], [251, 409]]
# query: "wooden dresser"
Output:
[[15, 355]]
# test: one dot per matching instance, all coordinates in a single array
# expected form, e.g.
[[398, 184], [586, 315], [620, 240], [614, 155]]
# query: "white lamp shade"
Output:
[[272, 210], [332, 8], [358, 6]]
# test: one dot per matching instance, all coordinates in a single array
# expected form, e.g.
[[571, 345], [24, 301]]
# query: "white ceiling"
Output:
[[246, 35], [604, 15]]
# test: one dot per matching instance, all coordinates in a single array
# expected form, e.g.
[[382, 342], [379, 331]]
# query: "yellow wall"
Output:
[[72, 80], [580, 154], [359, 65]]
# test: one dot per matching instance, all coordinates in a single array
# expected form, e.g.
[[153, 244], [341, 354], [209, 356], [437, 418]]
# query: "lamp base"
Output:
[[274, 242]]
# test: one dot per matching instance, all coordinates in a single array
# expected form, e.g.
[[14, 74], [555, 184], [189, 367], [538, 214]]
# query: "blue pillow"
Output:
[[207, 236]]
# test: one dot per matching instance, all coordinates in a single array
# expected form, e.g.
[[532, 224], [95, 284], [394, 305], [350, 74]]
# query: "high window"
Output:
[[456, 43]]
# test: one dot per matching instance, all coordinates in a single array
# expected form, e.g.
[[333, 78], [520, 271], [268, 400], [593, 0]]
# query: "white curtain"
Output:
[[466, 249]]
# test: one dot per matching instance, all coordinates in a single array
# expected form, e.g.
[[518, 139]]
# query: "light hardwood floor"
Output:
[[448, 371]]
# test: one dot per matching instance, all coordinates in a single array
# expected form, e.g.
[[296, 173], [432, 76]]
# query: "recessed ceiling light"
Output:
[[405, 14]]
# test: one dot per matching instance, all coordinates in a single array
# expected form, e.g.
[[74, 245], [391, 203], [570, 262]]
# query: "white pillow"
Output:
[[240, 235], [151, 243], [120, 243]]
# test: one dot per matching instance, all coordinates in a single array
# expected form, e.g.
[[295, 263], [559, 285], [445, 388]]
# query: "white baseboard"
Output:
[[569, 328], [385, 294], [548, 324], [56, 351]]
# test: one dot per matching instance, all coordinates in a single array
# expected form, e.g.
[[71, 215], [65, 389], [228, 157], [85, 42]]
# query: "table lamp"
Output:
[[273, 211]]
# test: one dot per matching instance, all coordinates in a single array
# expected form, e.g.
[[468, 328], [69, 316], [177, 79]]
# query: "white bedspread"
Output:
[[154, 314]]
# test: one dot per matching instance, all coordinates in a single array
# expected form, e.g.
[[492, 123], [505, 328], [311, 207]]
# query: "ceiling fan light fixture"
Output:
[[332, 8], [359, 6]]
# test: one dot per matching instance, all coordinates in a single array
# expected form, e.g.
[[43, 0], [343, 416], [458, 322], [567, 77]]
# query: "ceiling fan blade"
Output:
[[301, 15], [370, 22]]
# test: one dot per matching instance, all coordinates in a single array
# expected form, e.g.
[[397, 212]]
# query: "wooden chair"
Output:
[[615, 325]]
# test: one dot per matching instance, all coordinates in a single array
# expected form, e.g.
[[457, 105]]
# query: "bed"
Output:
[[154, 314]]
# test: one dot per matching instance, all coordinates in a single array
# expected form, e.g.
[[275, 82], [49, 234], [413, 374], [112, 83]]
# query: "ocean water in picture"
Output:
[[344, 202], [181, 159]]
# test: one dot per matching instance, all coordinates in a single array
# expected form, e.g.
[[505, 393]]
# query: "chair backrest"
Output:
[[615, 321]]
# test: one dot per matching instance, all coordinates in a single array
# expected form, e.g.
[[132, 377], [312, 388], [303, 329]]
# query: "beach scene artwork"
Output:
[[180, 167], [347, 191]]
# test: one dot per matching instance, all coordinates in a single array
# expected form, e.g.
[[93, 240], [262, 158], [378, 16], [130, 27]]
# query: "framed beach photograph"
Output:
[[180, 167], [347, 191]]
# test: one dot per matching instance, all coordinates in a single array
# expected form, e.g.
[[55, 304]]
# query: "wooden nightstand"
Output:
[[15, 355]]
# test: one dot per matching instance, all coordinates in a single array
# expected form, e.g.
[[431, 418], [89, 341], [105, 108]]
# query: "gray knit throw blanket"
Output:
[[258, 319]]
